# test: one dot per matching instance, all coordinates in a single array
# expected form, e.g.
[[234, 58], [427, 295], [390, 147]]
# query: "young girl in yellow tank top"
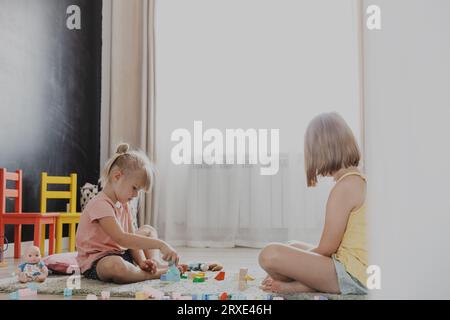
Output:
[[338, 264]]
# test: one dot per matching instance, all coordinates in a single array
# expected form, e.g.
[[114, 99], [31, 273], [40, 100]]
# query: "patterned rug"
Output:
[[54, 285]]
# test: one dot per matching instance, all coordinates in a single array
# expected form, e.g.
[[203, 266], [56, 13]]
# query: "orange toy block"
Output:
[[220, 276], [223, 296]]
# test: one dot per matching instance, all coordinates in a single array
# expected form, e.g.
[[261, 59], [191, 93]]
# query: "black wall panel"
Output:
[[50, 90]]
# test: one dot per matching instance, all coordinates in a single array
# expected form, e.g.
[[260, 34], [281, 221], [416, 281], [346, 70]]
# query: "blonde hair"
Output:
[[129, 160], [329, 146]]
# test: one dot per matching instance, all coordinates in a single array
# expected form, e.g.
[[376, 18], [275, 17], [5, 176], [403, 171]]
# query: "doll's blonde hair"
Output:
[[329, 146], [129, 160]]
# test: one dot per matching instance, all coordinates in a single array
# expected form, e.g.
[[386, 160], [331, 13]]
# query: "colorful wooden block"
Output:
[[141, 295], [223, 296], [220, 276], [106, 295], [67, 292]]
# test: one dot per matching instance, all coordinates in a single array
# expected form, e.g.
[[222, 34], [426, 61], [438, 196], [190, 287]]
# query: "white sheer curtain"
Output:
[[260, 64]]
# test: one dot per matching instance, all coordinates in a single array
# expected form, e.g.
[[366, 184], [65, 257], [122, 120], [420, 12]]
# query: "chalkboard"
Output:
[[50, 90]]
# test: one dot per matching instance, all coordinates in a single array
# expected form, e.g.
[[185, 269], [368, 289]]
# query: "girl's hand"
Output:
[[148, 265], [169, 254]]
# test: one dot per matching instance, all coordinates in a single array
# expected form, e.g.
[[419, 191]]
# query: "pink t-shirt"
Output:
[[92, 242]]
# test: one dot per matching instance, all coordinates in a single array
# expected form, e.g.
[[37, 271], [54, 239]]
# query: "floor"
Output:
[[232, 259]]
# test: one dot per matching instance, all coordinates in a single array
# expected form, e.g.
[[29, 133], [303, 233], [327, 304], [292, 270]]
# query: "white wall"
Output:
[[255, 64], [408, 114]]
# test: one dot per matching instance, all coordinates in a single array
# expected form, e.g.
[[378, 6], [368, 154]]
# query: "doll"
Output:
[[33, 269]]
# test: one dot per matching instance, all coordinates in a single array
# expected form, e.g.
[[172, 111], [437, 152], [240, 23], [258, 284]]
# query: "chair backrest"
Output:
[[15, 193], [71, 195]]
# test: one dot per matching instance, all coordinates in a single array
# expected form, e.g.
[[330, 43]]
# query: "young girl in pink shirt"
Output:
[[109, 249]]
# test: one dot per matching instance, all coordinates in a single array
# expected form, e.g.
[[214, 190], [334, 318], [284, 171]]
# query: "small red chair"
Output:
[[18, 218]]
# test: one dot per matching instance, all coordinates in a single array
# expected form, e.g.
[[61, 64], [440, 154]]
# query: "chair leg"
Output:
[[37, 235], [17, 240], [59, 231], [51, 239], [72, 236], [43, 232]]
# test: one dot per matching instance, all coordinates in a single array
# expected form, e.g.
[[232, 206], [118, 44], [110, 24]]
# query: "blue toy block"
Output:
[[163, 277], [173, 274], [67, 292], [14, 295], [32, 286]]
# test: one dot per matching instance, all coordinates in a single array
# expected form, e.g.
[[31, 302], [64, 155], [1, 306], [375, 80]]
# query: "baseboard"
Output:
[[10, 252]]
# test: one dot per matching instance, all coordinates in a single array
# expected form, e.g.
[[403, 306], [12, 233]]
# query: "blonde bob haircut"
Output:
[[329, 146], [128, 160]]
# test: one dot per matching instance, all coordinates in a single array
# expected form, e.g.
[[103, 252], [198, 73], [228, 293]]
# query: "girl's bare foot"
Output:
[[156, 275], [277, 286], [267, 279]]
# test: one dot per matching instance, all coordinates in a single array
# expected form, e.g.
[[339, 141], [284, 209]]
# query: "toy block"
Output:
[[194, 266], [199, 275], [165, 298], [215, 267], [223, 296], [183, 276], [24, 293], [14, 295], [242, 273], [184, 268], [238, 297], [141, 295], [269, 297], [91, 297], [320, 298], [173, 274], [242, 285], [33, 286], [153, 293], [67, 292], [204, 267], [278, 298], [163, 277], [220, 276], [249, 278], [106, 295], [199, 280]]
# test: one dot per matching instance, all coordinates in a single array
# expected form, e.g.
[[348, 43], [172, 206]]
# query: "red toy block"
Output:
[[223, 296], [220, 276]]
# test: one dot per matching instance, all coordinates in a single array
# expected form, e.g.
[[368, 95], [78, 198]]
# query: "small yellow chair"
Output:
[[71, 217]]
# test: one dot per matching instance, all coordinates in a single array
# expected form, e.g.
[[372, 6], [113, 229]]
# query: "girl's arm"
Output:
[[339, 205], [137, 254], [135, 241]]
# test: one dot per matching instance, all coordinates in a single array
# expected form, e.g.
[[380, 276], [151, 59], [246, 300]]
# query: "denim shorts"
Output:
[[347, 283], [91, 273]]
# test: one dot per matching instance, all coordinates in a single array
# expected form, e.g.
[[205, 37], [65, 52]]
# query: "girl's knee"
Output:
[[112, 267], [148, 231], [269, 256]]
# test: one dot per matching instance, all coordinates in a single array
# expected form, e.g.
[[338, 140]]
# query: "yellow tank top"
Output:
[[352, 252]]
